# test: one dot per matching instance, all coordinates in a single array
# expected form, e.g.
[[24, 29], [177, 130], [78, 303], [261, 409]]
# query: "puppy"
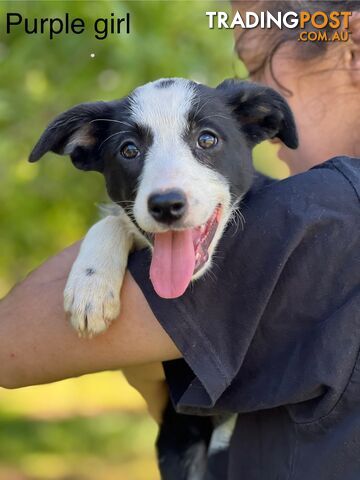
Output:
[[176, 157]]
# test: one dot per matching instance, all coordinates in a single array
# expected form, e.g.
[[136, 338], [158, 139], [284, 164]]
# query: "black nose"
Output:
[[168, 206]]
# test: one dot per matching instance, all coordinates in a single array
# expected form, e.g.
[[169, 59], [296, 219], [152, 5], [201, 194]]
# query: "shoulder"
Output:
[[324, 197], [349, 169], [334, 183]]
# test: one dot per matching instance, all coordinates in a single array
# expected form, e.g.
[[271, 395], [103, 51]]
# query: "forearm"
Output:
[[37, 344]]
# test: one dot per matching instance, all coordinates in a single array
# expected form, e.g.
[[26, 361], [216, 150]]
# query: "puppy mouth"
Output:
[[203, 236], [179, 254]]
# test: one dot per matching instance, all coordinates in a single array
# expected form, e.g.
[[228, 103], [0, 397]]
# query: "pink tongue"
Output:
[[173, 263]]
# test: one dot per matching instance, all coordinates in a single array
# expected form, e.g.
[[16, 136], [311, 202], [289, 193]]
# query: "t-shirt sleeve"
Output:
[[272, 323]]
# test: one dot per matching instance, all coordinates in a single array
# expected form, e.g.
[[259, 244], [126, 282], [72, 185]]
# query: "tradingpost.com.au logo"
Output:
[[311, 25]]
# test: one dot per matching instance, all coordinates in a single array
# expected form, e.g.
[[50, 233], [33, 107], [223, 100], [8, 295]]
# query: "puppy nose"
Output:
[[168, 206]]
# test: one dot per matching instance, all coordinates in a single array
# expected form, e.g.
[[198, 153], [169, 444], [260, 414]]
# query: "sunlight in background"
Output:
[[93, 427], [86, 395]]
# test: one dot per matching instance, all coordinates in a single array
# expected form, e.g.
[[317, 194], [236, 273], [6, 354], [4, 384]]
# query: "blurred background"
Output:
[[93, 427]]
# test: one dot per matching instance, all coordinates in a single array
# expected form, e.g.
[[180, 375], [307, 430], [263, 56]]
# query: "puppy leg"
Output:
[[182, 445], [218, 453], [91, 295]]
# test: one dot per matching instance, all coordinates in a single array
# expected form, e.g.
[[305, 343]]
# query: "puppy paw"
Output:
[[92, 301]]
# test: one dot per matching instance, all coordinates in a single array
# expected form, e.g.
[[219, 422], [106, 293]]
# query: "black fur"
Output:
[[89, 272], [57, 135], [165, 83], [261, 111], [241, 114], [181, 440], [107, 127]]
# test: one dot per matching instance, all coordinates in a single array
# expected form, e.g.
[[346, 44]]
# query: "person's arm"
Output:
[[149, 381], [37, 344]]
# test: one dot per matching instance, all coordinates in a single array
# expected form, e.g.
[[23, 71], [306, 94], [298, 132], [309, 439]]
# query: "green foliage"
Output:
[[93, 427], [107, 446], [115, 436], [46, 206]]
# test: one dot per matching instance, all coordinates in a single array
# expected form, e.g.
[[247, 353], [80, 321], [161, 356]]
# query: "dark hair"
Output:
[[274, 37]]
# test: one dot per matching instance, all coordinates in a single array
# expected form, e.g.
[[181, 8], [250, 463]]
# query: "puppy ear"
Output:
[[262, 112], [78, 133]]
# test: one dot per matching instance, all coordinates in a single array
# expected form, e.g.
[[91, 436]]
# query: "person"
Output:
[[274, 336]]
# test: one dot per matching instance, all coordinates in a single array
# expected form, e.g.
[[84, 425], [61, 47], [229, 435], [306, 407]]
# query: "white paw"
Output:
[[91, 300]]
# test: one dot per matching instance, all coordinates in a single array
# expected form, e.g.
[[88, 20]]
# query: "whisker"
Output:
[[197, 109], [112, 120], [216, 256], [113, 135], [63, 123], [210, 274], [213, 116], [238, 219], [202, 106]]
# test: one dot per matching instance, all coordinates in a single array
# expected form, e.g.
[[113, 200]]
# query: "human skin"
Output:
[[324, 92], [36, 343]]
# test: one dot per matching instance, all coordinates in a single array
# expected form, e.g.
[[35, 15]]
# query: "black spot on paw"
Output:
[[88, 308], [89, 272]]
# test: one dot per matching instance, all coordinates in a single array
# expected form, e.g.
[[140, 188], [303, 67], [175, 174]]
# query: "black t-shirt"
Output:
[[274, 332]]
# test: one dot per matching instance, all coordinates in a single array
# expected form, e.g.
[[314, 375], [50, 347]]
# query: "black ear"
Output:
[[262, 112], [77, 132]]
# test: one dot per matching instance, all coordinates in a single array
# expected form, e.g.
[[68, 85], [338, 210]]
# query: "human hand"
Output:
[[149, 381]]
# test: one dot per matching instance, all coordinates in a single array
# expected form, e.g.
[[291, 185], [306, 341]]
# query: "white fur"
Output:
[[221, 436], [169, 161], [93, 301]]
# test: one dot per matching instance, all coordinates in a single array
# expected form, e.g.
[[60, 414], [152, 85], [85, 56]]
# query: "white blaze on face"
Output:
[[170, 163]]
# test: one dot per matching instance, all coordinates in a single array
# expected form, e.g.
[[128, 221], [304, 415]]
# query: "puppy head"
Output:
[[177, 156]]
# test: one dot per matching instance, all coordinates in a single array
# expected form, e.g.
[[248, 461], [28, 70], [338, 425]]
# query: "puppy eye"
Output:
[[129, 150], [207, 140]]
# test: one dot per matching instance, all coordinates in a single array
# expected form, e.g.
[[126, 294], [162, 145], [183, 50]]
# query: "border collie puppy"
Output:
[[176, 157]]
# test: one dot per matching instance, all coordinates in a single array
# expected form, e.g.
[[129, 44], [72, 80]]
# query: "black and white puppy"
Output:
[[176, 157]]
